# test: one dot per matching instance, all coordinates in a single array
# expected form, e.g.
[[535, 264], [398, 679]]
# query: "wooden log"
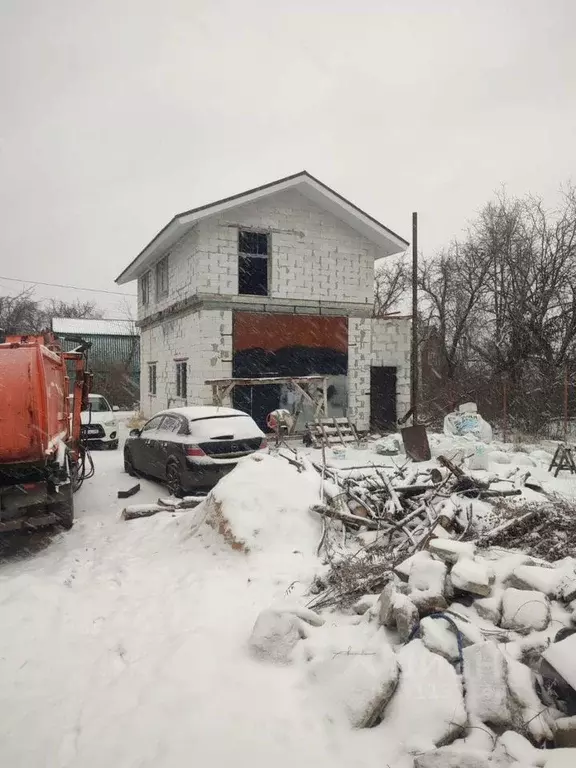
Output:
[[168, 502], [413, 490], [135, 511], [327, 511], [494, 493], [189, 502], [456, 471], [508, 525], [391, 491]]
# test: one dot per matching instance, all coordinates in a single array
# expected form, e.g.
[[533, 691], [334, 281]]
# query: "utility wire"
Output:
[[72, 287]]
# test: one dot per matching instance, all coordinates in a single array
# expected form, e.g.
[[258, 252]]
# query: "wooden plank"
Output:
[[355, 433], [129, 491], [255, 381], [303, 392]]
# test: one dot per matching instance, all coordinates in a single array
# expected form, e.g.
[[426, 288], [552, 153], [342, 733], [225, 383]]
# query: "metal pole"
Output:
[[505, 407], [414, 349], [565, 403]]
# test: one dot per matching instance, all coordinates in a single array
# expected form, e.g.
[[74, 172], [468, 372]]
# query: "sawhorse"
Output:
[[563, 459]]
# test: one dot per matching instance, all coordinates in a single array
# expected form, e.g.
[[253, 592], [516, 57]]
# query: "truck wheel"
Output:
[[63, 507]]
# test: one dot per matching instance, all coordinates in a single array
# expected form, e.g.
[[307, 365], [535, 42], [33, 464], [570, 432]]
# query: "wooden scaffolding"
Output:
[[311, 389]]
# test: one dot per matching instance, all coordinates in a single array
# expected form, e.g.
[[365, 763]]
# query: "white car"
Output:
[[99, 423]]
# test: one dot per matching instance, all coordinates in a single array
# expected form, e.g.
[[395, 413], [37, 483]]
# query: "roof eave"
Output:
[[385, 239]]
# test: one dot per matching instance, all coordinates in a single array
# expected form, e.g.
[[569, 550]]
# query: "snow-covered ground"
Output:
[[126, 643]]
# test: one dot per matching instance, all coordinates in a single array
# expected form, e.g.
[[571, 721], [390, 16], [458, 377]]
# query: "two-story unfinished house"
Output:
[[276, 281]]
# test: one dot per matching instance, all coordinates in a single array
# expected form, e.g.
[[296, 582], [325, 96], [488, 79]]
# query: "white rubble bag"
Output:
[[479, 459], [467, 422]]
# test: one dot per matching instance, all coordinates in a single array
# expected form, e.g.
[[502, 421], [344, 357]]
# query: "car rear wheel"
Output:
[[174, 480], [128, 465], [113, 445]]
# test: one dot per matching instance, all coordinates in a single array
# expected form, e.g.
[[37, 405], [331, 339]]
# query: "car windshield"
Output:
[[98, 404]]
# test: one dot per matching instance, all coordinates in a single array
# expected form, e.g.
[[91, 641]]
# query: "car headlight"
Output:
[[109, 423]]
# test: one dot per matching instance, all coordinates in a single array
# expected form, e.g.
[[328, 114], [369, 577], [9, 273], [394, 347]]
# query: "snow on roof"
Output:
[[72, 325], [387, 241], [192, 413]]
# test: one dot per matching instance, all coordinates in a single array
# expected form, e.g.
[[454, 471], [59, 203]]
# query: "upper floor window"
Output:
[[253, 251], [162, 278], [145, 288]]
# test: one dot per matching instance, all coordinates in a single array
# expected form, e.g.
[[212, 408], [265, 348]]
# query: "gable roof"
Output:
[[387, 241], [92, 327]]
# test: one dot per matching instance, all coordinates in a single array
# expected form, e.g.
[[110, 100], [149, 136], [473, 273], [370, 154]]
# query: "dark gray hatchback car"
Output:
[[191, 448]]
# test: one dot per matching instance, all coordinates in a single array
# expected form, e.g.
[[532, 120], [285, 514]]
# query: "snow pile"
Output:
[[524, 610], [467, 628], [355, 683], [487, 696], [277, 632], [428, 708], [264, 505], [561, 656]]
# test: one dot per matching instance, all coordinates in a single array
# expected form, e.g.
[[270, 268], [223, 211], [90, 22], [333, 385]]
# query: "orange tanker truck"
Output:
[[42, 461]]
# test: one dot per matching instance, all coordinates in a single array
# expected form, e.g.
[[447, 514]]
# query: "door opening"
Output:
[[383, 414]]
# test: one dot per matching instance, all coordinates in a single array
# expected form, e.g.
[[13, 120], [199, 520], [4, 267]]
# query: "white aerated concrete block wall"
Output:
[[204, 339], [391, 343], [313, 255], [359, 361], [182, 277]]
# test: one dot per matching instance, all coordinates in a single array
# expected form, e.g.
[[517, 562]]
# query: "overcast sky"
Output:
[[116, 114]]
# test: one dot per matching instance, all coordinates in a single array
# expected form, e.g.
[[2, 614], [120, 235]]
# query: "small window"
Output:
[[162, 278], [152, 424], [145, 289], [151, 378], [181, 380], [252, 263]]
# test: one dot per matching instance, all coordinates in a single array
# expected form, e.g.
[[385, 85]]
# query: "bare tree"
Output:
[[19, 313], [501, 306], [77, 309], [453, 288], [392, 282], [24, 314]]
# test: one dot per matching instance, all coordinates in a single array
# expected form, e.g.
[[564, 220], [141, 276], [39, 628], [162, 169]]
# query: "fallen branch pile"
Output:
[[397, 512], [545, 529]]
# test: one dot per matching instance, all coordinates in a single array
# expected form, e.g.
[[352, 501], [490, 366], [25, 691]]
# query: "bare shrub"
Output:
[[549, 532]]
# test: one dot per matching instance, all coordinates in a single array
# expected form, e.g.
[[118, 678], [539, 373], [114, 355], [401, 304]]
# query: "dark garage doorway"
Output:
[[383, 399]]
